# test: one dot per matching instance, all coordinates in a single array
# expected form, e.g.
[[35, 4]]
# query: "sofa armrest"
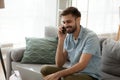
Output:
[[8, 64], [17, 54], [13, 55]]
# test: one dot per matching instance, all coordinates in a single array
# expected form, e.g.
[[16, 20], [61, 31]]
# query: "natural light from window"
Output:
[[101, 16], [25, 18], [28, 18]]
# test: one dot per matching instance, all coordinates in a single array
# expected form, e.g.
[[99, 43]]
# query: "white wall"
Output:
[[48, 17], [26, 18], [50, 12]]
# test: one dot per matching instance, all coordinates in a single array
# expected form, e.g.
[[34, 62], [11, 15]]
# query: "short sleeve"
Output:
[[92, 45]]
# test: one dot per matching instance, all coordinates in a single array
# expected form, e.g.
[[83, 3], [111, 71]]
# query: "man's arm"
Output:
[[61, 55], [83, 62]]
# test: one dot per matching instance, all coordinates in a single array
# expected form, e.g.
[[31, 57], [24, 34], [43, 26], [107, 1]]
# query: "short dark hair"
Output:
[[71, 10]]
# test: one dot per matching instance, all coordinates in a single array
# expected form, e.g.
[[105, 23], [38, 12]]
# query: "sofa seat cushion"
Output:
[[111, 57], [35, 67], [106, 76]]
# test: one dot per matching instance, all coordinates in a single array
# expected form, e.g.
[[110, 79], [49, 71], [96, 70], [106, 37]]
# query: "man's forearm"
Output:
[[77, 67], [83, 62], [59, 54]]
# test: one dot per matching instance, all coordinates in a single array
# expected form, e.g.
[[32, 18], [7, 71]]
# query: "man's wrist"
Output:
[[61, 39], [59, 74]]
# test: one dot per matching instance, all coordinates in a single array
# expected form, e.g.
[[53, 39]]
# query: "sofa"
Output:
[[110, 60]]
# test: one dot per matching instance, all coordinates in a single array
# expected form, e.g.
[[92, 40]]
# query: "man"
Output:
[[79, 45]]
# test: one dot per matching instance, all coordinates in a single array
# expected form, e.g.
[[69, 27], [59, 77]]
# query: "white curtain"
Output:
[[25, 18], [101, 16]]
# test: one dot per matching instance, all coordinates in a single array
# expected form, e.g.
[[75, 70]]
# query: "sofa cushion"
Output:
[[111, 57], [17, 54], [40, 50]]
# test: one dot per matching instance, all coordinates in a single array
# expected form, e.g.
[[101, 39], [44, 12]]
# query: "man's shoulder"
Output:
[[89, 33]]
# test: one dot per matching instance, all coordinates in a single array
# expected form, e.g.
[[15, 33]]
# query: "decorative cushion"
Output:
[[40, 50], [111, 57]]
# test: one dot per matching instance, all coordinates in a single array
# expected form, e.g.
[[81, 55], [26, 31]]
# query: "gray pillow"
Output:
[[111, 57], [40, 50]]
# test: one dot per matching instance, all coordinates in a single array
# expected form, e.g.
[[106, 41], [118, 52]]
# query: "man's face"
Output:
[[69, 22]]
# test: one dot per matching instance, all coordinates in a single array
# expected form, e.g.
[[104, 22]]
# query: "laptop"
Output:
[[29, 73]]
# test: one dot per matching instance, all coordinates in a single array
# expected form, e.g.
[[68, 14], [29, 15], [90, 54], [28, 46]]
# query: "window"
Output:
[[101, 16]]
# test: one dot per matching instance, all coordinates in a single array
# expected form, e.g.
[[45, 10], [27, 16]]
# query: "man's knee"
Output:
[[47, 69], [44, 70]]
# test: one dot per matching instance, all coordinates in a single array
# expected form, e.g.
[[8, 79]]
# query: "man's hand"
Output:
[[60, 33], [54, 76]]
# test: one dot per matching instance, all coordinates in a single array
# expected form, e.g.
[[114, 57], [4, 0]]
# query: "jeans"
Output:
[[46, 70]]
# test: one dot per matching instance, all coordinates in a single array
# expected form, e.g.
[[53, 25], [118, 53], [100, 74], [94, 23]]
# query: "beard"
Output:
[[71, 29]]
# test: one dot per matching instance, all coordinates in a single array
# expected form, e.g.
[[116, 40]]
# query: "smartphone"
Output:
[[63, 30]]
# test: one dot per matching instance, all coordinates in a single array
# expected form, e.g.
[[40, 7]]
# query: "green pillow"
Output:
[[40, 50]]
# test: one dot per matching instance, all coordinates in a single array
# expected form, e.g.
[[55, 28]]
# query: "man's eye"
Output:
[[63, 22], [68, 21]]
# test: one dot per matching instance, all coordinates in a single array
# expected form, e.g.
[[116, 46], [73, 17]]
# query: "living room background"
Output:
[[25, 18], [28, 18]]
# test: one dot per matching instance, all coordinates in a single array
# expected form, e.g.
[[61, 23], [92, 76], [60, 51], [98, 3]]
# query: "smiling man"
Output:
[[78, 45]]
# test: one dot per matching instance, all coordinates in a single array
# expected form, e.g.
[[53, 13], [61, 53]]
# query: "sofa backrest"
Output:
[[110, 57], [50, 31]]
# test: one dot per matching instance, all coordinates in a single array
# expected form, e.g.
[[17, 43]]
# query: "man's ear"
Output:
[[78, 19]]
